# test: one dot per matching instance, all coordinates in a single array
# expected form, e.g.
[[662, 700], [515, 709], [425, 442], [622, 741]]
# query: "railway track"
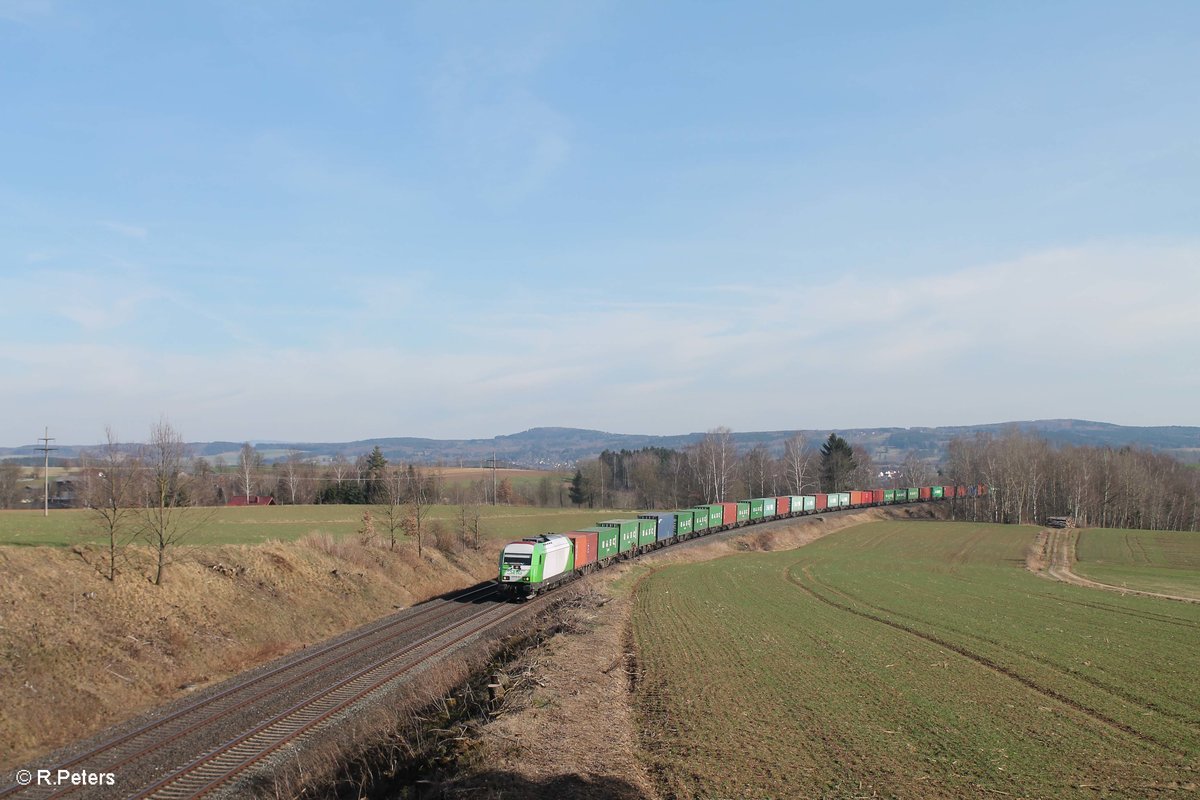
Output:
[[198, 747]]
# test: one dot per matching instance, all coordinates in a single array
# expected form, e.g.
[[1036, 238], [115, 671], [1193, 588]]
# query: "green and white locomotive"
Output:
[[534, 563]]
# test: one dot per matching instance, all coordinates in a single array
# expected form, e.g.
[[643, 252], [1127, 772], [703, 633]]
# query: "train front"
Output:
[[516, 567]]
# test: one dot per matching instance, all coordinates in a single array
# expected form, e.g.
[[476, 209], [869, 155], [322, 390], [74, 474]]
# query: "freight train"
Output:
[[538, 563]]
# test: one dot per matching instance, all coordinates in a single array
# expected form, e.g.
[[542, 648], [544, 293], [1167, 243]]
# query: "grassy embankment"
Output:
[[1150, 561], [78, 652], [907, 659]]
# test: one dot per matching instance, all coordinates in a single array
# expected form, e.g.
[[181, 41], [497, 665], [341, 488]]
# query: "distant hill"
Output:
[[562, 447]]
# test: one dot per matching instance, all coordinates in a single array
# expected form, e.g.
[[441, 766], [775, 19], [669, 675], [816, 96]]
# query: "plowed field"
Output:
[[915, 660]]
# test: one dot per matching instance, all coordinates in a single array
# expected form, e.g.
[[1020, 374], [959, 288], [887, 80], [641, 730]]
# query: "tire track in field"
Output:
[[1061, 547], [1114, 690], [986, 662], [1133, 556], [1148, 616], [969, 544]]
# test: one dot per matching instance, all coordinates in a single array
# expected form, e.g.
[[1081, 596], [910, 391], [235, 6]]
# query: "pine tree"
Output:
[[376, 467], [579, 492], [837, 464]]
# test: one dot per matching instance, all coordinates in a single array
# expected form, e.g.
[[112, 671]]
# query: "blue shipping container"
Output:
[[666, 525]]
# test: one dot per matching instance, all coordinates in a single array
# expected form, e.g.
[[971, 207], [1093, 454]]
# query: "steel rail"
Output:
[[227, 761], [391, 627]]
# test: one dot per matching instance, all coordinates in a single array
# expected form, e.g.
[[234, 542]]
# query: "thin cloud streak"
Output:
[[984, 340]]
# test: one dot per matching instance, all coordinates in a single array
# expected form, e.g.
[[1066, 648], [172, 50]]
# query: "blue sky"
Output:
[[328, 221]]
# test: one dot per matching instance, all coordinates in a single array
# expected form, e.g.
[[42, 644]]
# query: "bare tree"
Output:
[[914, 471], [756, 470], [294, 467], [250, 461], [865, 472], [10, 484], [110, 493], [468, 525], [419, 503], [713, 460], [206, 483], [392, 511], [168, 518], [798, 463]]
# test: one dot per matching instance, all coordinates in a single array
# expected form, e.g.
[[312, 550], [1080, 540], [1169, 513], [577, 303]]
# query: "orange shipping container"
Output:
[[584, 543]]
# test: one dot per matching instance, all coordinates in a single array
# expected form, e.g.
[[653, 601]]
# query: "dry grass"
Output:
[[79, 653]]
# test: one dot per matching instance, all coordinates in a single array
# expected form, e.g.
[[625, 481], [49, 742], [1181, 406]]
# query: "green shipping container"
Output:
[[700, 518], [831, 500], [756, 509], [889, 495], [683, 522], [797, 503], [743, 511], [914, 495], [843, 500], [937, 492], [716, 515], [648, 532], [810, 502], [769, 506], [628, 531], [606, 541]]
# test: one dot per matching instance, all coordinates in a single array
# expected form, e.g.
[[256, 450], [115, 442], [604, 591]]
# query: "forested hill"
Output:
[[553, 447]]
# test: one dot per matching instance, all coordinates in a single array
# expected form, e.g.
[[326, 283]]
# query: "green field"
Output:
[[1151, 561], [285, 523], [914, 660]]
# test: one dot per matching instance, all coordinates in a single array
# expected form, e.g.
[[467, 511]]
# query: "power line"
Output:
[[46, 449]]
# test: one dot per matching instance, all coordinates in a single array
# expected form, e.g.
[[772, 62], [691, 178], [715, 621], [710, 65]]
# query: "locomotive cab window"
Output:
[[518, 559]]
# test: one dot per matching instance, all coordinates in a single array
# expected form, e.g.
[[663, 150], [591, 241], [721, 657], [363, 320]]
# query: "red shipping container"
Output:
[[585, 543], [728, 513], [822, 502], [877, 496], [962, 491], [925, 493]]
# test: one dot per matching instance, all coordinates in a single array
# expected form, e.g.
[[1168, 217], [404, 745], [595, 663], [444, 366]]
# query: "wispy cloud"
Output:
[[1063, 332], [92, 299], [510, 139], [25, 10], [125, 229]]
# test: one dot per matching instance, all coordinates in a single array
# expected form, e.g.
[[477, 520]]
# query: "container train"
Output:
[[539, 563]]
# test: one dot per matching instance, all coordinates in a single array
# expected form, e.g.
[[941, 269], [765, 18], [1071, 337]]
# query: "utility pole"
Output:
[[493, 460], [46, 448]]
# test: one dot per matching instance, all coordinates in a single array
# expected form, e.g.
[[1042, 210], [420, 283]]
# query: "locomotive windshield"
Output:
[[514, 558]]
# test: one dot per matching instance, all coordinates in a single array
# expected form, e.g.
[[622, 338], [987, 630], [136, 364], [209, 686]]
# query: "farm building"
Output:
[[252, 500]]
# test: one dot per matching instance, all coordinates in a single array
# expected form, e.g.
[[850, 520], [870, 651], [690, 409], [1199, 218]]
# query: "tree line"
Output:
[[151, 494], [1099, 486], [713, 470]]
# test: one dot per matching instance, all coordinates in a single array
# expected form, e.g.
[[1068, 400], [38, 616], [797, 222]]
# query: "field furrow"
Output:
[[910, 660]]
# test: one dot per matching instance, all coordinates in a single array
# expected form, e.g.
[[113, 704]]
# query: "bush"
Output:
[[444, 539]]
